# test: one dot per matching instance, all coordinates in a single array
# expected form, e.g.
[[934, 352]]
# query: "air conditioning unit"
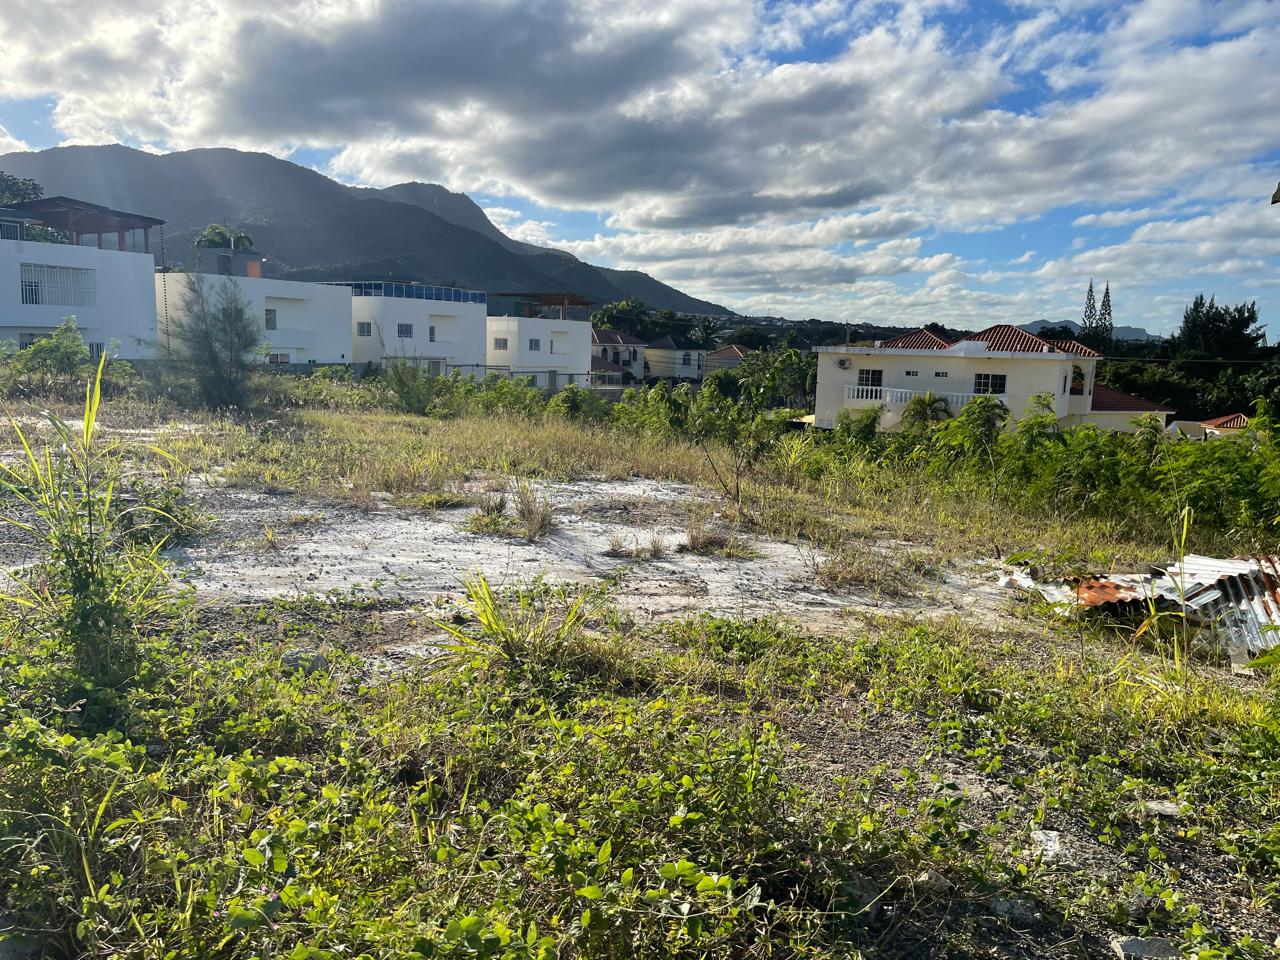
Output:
[[843, 363]]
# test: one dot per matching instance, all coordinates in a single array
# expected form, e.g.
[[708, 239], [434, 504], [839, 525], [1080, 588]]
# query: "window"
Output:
[[604, 353], [568, 378], [686, 360], [633, 354], [58, 286], [431, 334], [616, 357], [552, 345], [535, 343], [871, 378], [277, 358], [364, 328], [404, 331], [989, 382], [96, 350], [913, 373], [499, 343], [270, 319], [435, 368], [940, 374]]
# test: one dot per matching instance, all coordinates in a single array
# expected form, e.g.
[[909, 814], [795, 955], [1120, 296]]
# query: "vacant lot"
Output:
[[527, 689]]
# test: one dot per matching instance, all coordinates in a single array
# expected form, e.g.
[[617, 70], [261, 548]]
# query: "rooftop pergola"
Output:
[[549, 298], [80, 219]]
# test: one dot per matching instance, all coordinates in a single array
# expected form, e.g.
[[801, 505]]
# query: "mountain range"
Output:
[[310, 227], [1120, 333]]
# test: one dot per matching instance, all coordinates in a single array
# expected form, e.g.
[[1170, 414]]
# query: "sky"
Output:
[[890, 162]]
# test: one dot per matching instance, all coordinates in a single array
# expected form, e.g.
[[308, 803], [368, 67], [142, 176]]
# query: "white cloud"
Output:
[[10, 143], [722, 157]]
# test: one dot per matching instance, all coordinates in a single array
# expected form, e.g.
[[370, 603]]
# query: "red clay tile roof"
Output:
[[613, 336], [1232, 421], [1108, 400], [1073, 346], [921, 339], [731, 352], [1006, 338]]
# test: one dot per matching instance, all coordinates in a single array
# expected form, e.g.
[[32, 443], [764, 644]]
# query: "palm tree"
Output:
[[707, 332], [923, 411]]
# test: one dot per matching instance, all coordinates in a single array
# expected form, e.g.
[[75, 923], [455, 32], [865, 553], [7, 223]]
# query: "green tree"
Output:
[[215, 337], [625, 315], [1089, 319], [706, 332], [53, 361], [18, 189], [218, 237], [1220, 332], [1106, 330]]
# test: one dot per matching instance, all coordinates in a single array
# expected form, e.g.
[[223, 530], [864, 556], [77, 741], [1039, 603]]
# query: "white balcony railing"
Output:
[[898, 397]]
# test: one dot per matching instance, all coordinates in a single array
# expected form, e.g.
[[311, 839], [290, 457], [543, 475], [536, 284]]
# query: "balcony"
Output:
[[896, 397]]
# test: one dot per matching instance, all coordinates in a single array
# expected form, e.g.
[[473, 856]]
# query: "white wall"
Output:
[[670, 363], [564, 346], [313, 320], [122, 306], [459, 332], [1026, 375]]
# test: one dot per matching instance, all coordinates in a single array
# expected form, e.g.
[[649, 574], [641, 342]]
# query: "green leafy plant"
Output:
[[95, 589]]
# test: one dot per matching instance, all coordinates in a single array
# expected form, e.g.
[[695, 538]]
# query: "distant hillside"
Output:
[[1121, 333], [313, 228]]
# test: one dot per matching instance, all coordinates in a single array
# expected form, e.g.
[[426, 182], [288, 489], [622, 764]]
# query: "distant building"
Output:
[[440, 329], [103, 277], [726, 358], [1002, 361], [622, 350], [1225, 426], [551, 352], [676, 358]]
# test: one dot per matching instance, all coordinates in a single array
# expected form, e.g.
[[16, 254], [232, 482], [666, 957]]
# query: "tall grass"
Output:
[[94, 589]]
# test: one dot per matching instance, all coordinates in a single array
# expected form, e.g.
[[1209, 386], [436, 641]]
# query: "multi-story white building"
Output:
[[550, 351], [1002, 361], [622, 350], [676, 358], [104, 283], [302, 323], [441, 329]]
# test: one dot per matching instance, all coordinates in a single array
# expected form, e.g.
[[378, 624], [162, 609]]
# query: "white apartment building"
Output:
[[621, 350], [439, 328], [550, 351], [1003, 361], [302, 323], [102, 278]]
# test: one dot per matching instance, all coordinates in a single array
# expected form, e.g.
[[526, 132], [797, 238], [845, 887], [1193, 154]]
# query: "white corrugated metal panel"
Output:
[[1240, 598]]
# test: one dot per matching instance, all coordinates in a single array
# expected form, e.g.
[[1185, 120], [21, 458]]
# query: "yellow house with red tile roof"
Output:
[[1002, 361]]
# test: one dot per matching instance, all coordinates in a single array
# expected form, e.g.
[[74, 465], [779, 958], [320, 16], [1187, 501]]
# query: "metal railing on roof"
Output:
[[409, 291]]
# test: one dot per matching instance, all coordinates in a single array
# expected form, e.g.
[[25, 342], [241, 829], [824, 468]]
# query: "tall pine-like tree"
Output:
[[1106, 326], [1089, 322]]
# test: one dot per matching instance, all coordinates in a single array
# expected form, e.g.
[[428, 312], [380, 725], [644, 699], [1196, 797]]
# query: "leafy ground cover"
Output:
[[543, 777]]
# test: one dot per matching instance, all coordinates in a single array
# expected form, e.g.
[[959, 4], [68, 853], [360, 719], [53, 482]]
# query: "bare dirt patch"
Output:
[[269, 545]]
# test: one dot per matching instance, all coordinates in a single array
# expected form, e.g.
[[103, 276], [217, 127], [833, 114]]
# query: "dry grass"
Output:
[[489, 516], [707, 539], [533, 511], [622, 549]]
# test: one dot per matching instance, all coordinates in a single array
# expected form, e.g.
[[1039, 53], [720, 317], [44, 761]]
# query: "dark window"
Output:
[[364, 329], [270, 318], [870, 378], [989, 382], [404, 330]]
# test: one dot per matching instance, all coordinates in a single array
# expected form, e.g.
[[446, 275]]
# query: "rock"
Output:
[[1050, 845], [932, 882], [1162, 808], [1016, 911], [308, 661], [458, 619], [1144, 948]]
